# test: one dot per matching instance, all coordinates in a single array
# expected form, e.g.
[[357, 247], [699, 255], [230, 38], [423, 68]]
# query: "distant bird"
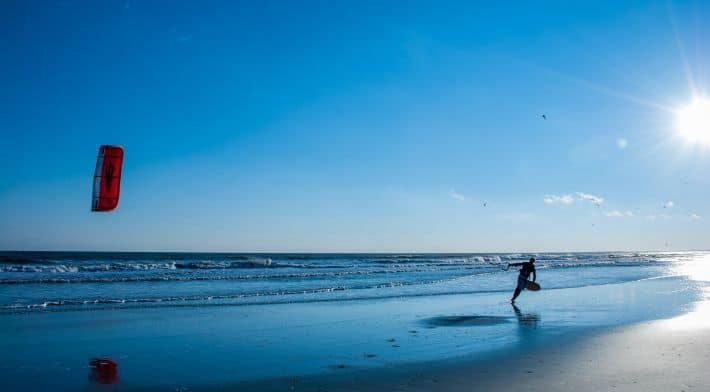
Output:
[[485, 204], [544, 117]]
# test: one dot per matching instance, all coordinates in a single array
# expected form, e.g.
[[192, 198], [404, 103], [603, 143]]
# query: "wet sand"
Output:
[[587, 338], [650, 356]]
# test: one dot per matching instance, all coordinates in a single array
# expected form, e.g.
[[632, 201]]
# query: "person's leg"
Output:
[[521, 286], [515, 294]]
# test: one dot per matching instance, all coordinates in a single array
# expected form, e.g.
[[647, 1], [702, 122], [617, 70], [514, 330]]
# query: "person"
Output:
[[527, 268]]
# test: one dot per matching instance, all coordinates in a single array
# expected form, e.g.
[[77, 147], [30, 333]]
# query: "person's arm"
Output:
[[534, 274], [515, 264]]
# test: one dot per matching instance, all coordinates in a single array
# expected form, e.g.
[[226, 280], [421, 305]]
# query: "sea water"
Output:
[[49, 281], [215, 321]]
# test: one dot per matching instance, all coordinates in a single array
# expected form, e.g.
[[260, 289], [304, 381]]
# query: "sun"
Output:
[[693, 121]]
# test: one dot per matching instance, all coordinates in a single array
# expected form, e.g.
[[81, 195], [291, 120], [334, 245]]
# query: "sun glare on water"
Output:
[[698, 317], [693, 121]]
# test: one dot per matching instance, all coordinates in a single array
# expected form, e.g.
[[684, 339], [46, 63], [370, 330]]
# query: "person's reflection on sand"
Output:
[[527, 320], [527, 324]]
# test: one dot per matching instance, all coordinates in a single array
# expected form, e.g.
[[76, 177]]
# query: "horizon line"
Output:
[[345, 252]]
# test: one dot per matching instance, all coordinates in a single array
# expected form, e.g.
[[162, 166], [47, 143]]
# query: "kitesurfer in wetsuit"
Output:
[[527, 268]]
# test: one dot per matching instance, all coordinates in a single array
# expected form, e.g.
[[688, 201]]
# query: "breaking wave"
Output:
[[65, 280]]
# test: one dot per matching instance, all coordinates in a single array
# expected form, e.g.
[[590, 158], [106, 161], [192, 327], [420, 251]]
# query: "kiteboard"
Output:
[[532, 286]]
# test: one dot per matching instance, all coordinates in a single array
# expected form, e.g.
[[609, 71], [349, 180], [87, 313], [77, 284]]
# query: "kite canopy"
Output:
[[103, 370], [107, 178]]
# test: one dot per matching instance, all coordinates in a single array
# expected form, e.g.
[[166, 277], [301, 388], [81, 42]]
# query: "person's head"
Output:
[[532, 259]]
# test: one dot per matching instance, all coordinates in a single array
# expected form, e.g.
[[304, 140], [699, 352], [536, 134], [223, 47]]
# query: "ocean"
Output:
[[207, 321], [85, 281]]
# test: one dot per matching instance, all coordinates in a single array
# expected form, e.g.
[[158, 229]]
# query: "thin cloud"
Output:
[[653, 217], [554, 199], [591, 198], [619, 214], [668, 204], [457, 196], [695, 217]]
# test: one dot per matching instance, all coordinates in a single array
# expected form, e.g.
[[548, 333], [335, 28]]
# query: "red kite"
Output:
[[107, 178]]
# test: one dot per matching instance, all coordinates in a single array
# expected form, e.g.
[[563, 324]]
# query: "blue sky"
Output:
[[354, 126]]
